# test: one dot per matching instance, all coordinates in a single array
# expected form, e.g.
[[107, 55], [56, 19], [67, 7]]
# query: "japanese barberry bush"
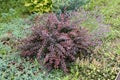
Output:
[[56, 41]]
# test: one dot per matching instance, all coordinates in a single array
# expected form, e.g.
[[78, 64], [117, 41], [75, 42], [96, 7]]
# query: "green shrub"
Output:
[[56, 6], [39, 6], [68, 5]]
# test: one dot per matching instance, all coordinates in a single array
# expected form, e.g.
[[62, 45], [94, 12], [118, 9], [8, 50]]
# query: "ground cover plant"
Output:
[[109, 9], [10, 9]]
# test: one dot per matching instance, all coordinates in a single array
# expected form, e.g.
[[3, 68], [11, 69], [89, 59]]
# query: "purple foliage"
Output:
[[55, 42]]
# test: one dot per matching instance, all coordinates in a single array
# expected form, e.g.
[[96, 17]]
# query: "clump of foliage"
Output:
[[57, 6], [55, 41], [60, 5], [4, 49], [39, 6]]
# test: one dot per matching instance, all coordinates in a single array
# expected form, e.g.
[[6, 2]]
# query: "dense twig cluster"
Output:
[[56, 41]]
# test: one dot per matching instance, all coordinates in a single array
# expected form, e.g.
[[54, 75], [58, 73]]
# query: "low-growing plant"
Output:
[[16, 4], [10, 9], [102, 65], [4, 49], [15, 28], [13, 67], [56, 42], [107, 8]]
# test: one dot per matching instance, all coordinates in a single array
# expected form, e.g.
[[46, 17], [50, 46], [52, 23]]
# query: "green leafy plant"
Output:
[[4, 49], [14, 29], [59, 6], [11, 32], [95, 69], [11, 68], [17, 68], [39, 6]]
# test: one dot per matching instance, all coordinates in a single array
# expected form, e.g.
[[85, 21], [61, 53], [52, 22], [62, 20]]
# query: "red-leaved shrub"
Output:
[[55, 41]]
